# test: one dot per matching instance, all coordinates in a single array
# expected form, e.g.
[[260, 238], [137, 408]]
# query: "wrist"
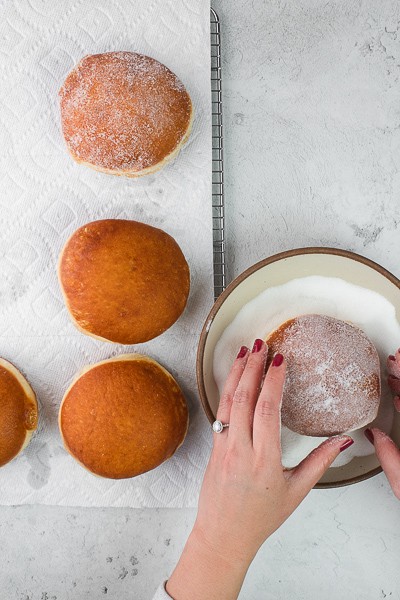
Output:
[[222, 546], [205, 570]]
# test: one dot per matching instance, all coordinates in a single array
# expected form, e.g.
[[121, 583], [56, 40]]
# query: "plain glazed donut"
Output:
[[333, 375], [18, 410], [123, 416], [123, 281], [124, 113]]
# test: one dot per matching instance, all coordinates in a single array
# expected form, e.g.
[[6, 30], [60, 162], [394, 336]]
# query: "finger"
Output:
[[388, 455], [246, 394], [267, 414], [396, 402], [394, 384], [310, 470], [232, 381], [393, 365]]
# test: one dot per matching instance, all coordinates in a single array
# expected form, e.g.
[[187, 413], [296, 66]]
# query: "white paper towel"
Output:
[[45, 196]]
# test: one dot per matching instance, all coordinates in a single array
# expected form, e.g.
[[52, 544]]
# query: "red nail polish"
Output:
[[346, 445], [369, 435], [242, 352], [391, 357], [278, 360], [257, 346]]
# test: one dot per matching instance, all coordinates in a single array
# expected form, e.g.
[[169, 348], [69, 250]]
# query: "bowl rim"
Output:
[[236, 282]]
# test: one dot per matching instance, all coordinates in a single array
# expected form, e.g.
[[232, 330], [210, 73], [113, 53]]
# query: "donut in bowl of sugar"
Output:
[[333, 375], [124, 113]]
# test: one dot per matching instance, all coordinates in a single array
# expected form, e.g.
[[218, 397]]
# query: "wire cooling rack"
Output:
[[218, 209]]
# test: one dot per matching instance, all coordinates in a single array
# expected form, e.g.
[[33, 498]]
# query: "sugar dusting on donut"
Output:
[[123, 112], [333, 375]]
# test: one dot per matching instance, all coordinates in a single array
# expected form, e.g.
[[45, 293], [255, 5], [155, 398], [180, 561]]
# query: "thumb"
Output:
[[310, 470], [389, 457]]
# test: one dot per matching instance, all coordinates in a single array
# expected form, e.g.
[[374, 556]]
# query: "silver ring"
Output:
[[218, 426]]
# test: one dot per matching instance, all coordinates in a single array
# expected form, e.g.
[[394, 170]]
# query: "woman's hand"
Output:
[[246, 493], [386, 450]]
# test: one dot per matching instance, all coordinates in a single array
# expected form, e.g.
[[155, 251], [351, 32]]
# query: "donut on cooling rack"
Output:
[[124, 113], [18, 410], [123, 416], [333, 375]]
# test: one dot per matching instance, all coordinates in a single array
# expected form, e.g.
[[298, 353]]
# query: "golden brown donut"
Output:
[[18, 412], [123, 281], [333, 375], [124, 113], [123, 416]]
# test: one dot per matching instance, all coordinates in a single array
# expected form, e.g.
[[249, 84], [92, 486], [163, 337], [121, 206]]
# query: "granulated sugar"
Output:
[[333, 297]]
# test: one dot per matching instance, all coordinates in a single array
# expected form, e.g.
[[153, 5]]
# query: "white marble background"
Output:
[[312, 130]]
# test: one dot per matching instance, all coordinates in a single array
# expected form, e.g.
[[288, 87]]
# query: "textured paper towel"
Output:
[[45, 196]]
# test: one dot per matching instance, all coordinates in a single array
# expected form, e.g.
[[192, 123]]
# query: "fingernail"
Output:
[[396, 402], [278, 360], [257, 345], [347, 444], [369, 435], [242, 352], [391, 357]]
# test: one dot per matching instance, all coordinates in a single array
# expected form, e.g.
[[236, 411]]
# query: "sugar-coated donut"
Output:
[[123, 416], [124, 113], [123, 281], [18, 412], [333, 375]]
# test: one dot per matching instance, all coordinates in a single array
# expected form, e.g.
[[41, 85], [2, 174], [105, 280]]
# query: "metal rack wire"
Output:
[[218, 209]]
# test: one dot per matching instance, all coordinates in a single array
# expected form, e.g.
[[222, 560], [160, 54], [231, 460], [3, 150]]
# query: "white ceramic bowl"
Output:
[[277, 270]]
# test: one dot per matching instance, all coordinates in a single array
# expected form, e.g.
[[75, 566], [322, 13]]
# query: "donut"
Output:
[[124, 113], [333, 375], [123, 416], [18, 410], [123, 281]]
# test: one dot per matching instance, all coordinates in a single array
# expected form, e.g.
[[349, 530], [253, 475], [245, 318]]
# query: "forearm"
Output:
[[202, 573]]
